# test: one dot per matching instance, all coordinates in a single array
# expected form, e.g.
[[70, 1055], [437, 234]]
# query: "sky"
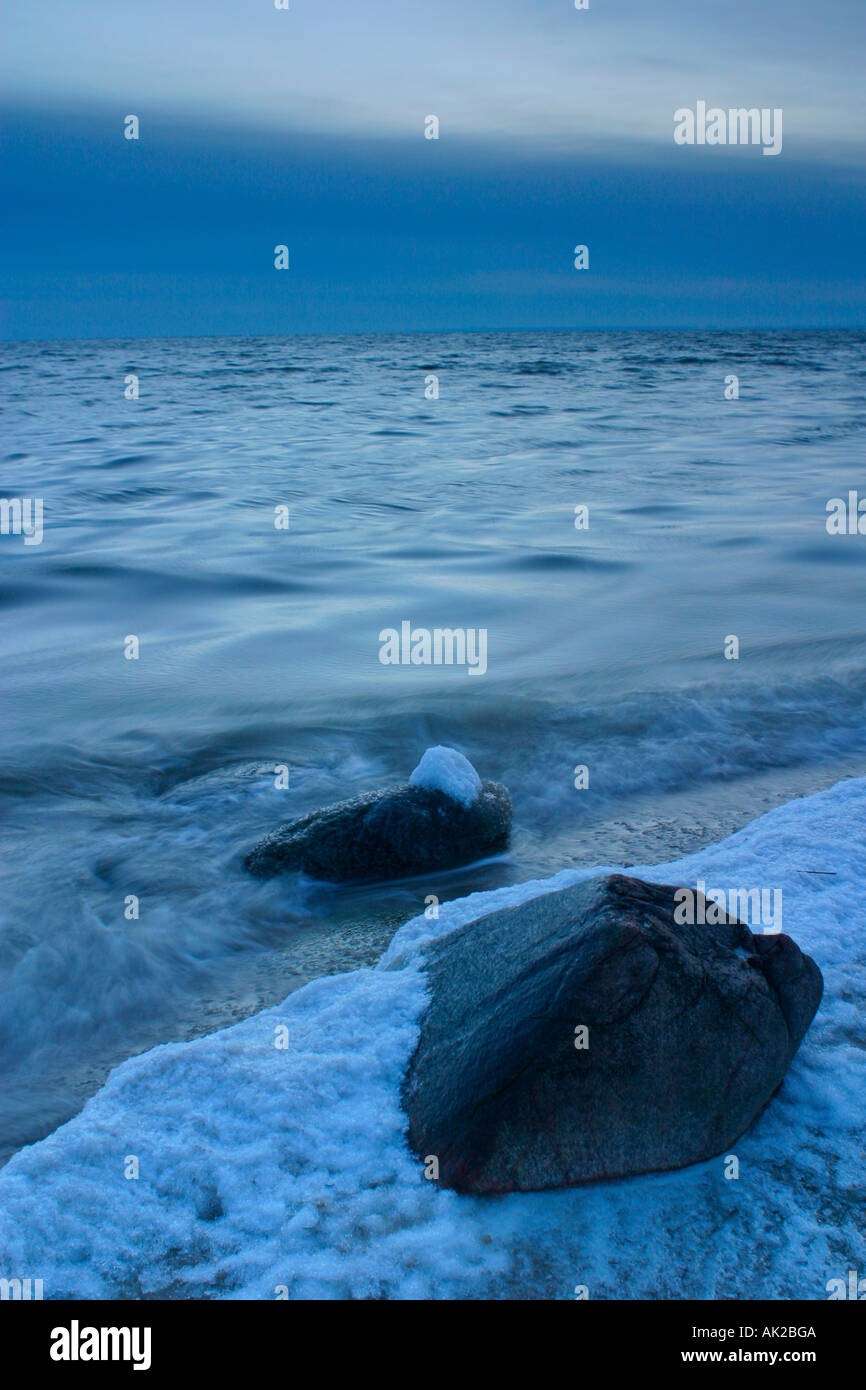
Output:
[[305, 127]]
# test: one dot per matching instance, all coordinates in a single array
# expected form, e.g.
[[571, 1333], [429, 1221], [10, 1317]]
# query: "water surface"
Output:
[[259, 647]]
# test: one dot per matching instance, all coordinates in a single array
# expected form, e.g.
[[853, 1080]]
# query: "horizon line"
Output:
[[448, 332]]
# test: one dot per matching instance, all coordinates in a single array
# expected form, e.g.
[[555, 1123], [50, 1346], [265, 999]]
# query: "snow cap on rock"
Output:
[[445, 770]]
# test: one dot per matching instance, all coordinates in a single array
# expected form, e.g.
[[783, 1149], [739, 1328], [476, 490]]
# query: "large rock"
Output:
[[690, 1031], [392, 834]]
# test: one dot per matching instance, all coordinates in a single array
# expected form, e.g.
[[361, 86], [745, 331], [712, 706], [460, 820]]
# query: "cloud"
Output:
[[175, 233], [306, 127], [493, 68]]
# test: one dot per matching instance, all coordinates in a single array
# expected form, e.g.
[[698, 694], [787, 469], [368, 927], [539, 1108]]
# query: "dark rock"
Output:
[[392, 834], [691, 1030]]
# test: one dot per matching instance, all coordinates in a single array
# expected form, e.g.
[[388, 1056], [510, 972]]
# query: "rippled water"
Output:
[[260, 646]]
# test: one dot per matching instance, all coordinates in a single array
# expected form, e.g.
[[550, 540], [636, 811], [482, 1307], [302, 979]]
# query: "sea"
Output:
[[191, 652]]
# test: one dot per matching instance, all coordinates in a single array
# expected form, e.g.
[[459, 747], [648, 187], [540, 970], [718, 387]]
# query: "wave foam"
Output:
[[265, 1168]]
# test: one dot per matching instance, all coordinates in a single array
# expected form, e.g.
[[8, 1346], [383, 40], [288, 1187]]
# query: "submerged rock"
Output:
[[439, 821], [688, 1032]]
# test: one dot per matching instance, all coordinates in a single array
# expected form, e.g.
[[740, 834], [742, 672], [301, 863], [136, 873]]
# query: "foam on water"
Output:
[[272, 1154], [259, 647]]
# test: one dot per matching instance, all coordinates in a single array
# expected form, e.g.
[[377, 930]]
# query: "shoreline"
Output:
[[352, 926], [327, 1133]]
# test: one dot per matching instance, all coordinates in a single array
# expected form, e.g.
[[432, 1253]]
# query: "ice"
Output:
[[445, 770], [266, 1168]]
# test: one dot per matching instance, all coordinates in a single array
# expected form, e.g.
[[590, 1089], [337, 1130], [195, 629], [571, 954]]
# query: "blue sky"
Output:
[[306, 127]]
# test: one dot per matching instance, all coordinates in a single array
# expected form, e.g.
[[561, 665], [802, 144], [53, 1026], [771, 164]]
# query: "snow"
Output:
[[267, 1168], [445, 770]]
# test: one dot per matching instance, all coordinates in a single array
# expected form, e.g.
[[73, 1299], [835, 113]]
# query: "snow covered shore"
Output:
[[272, 1160]]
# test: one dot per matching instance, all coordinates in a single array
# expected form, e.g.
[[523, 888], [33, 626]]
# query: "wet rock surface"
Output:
[[390, 834], [683, 1034]]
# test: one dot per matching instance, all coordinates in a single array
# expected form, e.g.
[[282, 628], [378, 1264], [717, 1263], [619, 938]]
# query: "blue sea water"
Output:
[[259, 647]]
